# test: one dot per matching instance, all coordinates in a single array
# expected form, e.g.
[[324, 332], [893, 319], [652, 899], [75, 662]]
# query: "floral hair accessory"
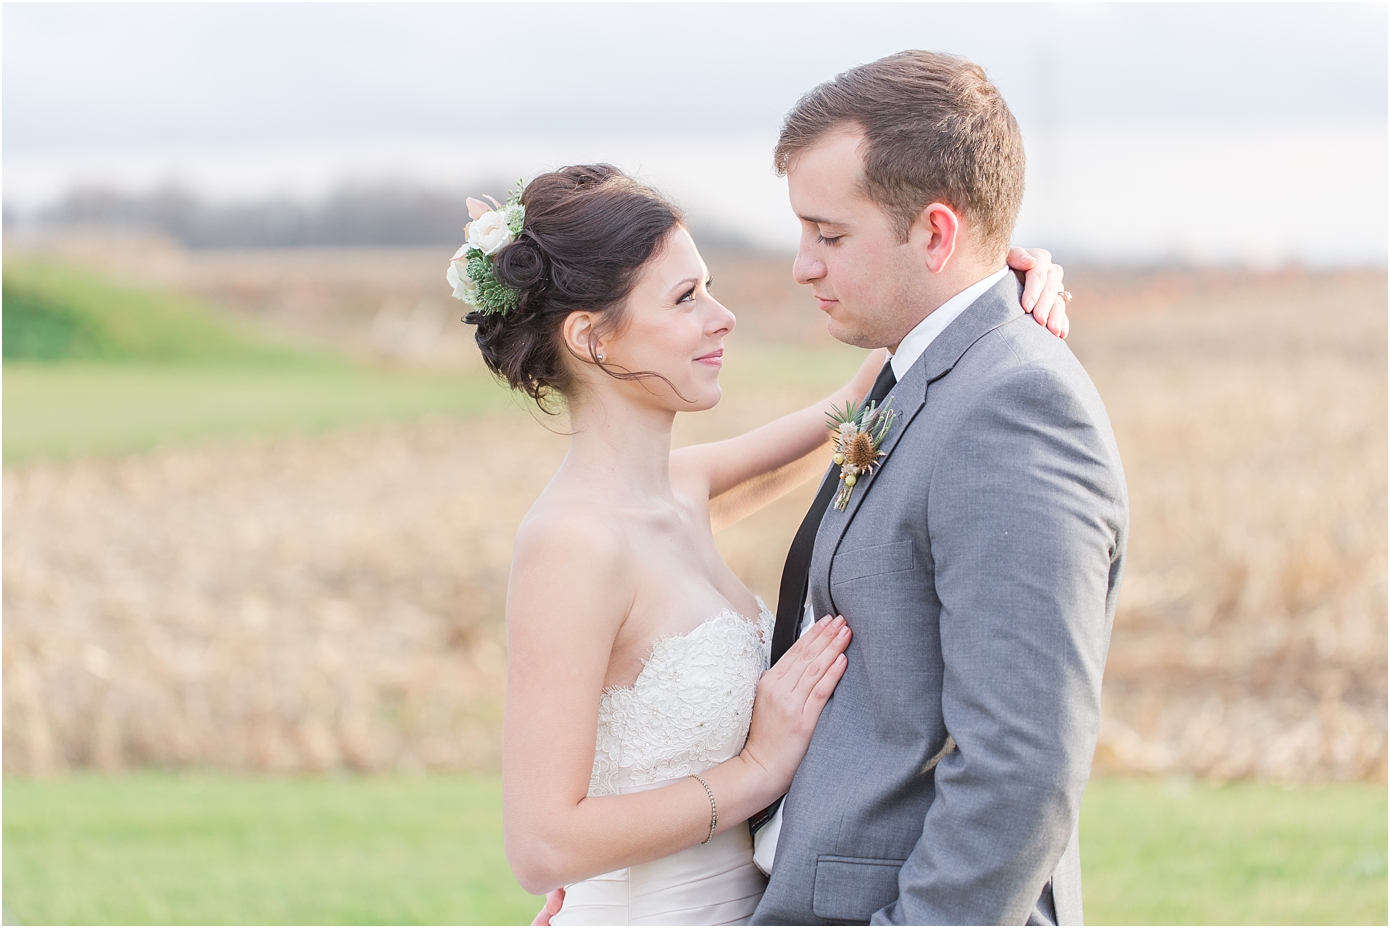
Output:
[[470, 270], [857, 432]]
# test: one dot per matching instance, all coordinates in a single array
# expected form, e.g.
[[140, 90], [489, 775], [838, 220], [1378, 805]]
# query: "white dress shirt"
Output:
[[912, 346]]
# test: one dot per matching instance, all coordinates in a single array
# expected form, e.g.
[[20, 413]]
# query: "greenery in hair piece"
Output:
[[493, 296], [471, 272], [515, 212]]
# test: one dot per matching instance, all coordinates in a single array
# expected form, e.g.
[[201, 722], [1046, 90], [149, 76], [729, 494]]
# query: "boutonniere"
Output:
[[857, 432]]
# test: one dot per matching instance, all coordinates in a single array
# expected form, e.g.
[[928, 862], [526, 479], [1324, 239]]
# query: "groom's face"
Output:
[[869, 282]]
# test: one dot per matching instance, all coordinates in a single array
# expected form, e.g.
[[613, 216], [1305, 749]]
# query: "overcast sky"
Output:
[[81, 76], [227, 87]]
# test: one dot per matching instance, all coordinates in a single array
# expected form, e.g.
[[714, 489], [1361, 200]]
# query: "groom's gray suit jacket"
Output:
[[978, 568]]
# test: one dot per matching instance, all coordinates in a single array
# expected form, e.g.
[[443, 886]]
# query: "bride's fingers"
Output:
[[815, 645], [1019, 258], [1051, 310], [1060, 323], [796, 654], [803, 653], [1057, 323], [1034, 283], [1045, 303], [821, 664], [824, 687], [553, 901]]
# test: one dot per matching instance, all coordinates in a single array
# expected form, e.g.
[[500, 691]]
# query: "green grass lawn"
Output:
[[1182, 853], [67, 410], [55, 311], [94, 367], [216, 849]]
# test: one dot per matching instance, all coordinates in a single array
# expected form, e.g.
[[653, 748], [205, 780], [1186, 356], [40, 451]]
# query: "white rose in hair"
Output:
[[489, 232], [465, 287]]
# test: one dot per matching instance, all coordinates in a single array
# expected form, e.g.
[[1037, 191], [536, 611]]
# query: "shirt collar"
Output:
[[925, 332]]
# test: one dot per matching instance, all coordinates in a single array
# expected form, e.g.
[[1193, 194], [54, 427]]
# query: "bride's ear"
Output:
[[580, 335]]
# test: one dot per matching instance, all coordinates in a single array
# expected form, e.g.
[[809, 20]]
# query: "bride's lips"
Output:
[[714, 358]]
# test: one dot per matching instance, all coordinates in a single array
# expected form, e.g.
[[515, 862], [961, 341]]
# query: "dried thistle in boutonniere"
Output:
[[858, 431]]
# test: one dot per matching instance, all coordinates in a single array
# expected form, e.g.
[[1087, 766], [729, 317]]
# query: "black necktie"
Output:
[[791, 595]]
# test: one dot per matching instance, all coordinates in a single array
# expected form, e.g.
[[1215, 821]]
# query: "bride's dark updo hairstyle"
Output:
[[589, 229]]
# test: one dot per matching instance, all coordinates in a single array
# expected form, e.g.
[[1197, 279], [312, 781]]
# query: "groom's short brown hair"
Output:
[[936, 130]]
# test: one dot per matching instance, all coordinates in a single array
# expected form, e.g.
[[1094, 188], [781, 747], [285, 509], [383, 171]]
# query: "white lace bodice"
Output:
[[688, 709]]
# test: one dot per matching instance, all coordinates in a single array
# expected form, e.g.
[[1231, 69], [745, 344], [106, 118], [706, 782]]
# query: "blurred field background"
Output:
[[258, 508], [259, 493]]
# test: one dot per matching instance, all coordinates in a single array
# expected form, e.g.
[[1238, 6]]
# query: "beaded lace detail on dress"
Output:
[[688, 709]]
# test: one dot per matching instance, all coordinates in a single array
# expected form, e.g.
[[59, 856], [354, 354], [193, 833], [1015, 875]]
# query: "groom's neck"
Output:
[[957, 276], [965, 269]]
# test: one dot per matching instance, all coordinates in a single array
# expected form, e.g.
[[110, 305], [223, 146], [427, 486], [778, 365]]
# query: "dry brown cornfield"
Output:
[[336, 602]]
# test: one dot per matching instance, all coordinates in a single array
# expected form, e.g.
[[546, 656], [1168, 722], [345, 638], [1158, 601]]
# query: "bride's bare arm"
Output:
[[570, 589], [747, 472]]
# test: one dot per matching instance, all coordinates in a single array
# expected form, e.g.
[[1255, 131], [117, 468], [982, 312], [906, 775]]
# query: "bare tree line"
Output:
[[352, 215]]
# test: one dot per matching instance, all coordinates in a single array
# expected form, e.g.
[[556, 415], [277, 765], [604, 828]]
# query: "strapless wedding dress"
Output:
[[688, 710]]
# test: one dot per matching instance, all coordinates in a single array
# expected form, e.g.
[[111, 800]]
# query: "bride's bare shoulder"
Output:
[[579, 543], [571, 588], [561, 521]]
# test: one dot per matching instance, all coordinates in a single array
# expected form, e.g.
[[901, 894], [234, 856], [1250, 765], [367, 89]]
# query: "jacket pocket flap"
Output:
[[853, 888], [858, 563]]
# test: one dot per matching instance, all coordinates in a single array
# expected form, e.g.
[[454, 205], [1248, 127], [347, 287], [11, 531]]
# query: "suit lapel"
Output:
[[996, 306]]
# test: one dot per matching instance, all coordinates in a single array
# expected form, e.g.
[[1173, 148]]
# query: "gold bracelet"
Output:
[[713, 809]]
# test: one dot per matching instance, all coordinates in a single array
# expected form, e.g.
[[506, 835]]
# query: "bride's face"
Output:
[[672, 327]]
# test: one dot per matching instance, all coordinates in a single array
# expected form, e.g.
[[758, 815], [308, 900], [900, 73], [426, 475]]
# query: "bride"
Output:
[[643, 727]]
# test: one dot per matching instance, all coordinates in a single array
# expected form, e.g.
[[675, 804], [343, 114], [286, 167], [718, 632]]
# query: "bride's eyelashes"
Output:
[[689, 295], [831, 240]]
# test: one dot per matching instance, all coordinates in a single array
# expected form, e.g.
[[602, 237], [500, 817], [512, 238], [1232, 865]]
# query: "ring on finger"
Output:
[[1065, 295]]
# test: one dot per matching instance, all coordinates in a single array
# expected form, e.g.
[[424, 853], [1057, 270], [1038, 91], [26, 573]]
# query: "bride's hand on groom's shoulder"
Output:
[[1042, 288], [790, 698]]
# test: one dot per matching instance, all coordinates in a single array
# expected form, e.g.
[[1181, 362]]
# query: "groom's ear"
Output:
[[934, 235]]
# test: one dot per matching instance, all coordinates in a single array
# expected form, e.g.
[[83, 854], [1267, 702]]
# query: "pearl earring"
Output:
[[600, 356]]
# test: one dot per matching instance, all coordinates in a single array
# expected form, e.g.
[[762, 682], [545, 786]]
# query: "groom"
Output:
[[978, 564]]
